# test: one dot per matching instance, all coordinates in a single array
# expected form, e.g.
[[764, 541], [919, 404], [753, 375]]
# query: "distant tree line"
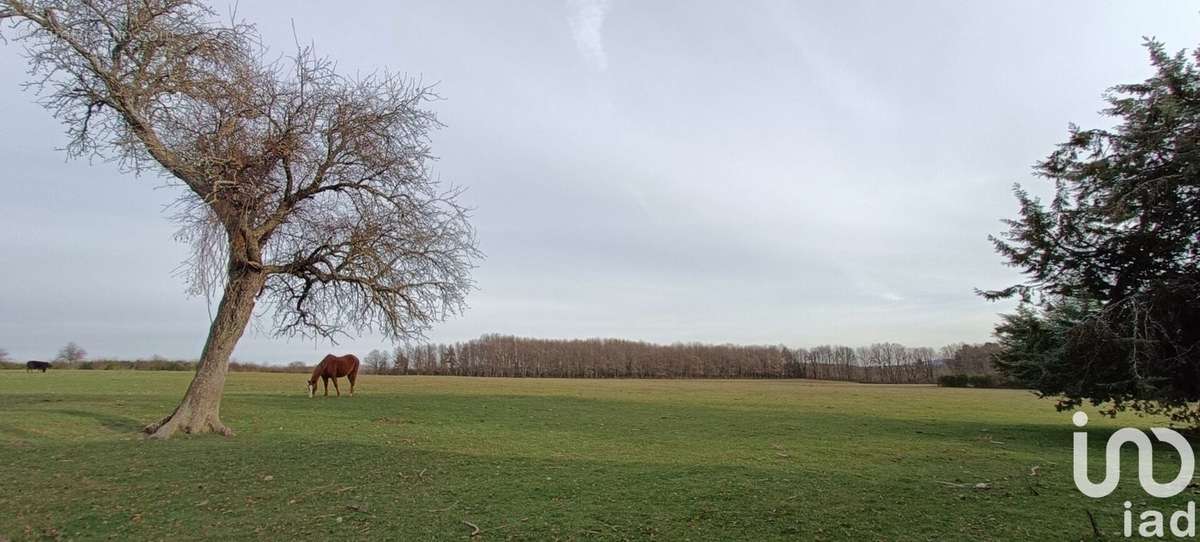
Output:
[[73, 356], [508, 356], [159, 363]]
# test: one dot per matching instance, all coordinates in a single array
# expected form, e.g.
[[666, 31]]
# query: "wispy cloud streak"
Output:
[[586, 19]]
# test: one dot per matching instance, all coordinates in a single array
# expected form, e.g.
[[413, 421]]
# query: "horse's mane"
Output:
[[317, 370]]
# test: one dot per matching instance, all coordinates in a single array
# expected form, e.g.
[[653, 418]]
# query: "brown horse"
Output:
[[334, 367]]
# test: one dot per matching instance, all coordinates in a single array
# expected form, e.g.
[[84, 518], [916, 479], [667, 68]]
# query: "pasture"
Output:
[[421, 458]]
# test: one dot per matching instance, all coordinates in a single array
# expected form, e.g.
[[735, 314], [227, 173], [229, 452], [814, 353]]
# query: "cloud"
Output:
[[586, 19]]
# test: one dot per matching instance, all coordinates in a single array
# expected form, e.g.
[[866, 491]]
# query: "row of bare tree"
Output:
[[507, 356], [68, 356]]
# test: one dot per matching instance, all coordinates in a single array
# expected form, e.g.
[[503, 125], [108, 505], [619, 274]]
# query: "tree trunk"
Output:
[[200, 410]]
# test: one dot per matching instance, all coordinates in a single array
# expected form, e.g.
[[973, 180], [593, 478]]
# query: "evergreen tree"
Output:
[[1112, 296]]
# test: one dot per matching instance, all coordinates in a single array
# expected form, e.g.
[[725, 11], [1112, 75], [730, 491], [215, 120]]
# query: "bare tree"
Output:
[[974, 359], [400, 360], [71, 354], [376, 362], [303, 189], [3, 355]]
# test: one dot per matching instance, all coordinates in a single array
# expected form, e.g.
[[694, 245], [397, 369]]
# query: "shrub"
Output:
[[953, 381], [974, 381]]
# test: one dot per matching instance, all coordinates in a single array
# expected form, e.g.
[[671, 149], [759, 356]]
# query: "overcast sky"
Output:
[[751, 172]]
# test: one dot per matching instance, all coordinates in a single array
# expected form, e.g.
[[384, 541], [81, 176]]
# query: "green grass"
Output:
[[415, 458]]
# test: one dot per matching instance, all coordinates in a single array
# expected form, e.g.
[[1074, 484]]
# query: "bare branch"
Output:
[[318, 180]]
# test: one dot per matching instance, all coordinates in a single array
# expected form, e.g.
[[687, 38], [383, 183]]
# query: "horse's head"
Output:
[[312, 388]]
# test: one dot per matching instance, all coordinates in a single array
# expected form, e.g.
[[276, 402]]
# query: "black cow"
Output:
[[37, 366]]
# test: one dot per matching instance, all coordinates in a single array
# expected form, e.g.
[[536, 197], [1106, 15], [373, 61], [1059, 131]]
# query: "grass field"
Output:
[[416, 458]]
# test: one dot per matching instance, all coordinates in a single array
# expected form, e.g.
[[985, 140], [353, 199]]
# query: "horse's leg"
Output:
[[325, 380], [335, 387], [352, 377]]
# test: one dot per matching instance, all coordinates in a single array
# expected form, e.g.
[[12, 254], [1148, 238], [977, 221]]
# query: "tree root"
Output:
[[167, 427]]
